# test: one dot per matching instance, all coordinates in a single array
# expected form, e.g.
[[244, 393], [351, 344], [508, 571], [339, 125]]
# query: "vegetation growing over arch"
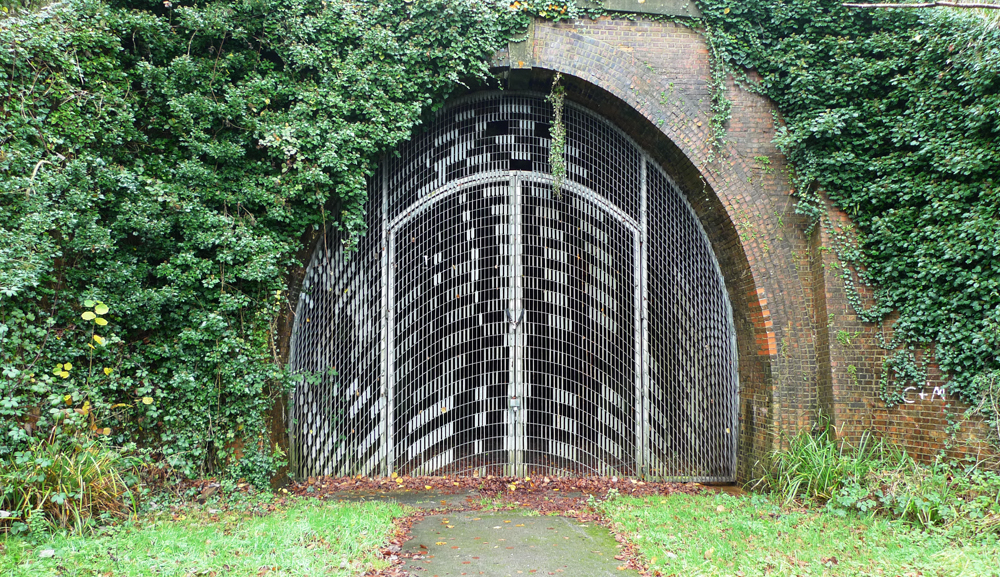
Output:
[[894, 115], [164, 158]]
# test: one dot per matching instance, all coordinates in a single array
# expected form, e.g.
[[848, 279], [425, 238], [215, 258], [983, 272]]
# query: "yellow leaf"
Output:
[[147, 400], [107, 370], [88, 316], [444, 409], [100, 322], [394, 474], [99, 339], [726, 11], [64, 375], [86, 408], [428, 487], [441, 543], [101, 309], [68, 399], [106, 431], [67, 367]]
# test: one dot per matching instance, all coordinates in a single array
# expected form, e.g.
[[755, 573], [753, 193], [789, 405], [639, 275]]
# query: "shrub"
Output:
[[816, 467], [68, 485], [875, 476]]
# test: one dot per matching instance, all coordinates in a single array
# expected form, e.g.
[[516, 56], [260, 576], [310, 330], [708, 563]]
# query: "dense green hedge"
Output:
[[163, 160]]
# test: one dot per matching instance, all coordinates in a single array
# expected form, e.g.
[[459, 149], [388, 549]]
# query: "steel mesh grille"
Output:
[[336, 343], [691, 362], [486, 326], [580, 283], [451, 277]]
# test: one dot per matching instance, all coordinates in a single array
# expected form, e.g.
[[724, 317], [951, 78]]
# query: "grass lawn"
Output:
[[307, 537], [717, 534], [683, 535]]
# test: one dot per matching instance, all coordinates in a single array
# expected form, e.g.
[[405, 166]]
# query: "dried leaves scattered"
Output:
[[490, 486]]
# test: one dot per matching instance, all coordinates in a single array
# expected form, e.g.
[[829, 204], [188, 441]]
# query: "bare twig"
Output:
[[35, 173], [927, 5]]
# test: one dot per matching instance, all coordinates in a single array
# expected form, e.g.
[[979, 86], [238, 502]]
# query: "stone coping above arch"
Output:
[[657, 7]]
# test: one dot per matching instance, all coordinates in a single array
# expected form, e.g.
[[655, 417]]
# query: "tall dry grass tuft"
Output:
[[67, 486], [875, 476]]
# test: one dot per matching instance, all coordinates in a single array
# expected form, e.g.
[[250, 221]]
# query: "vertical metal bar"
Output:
[[641, 376], [385, 349], [516, 386], [390, 388]]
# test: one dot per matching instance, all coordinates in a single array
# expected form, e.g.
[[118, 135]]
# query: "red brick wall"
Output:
[[925, 423], [651, 78], [789, 304]]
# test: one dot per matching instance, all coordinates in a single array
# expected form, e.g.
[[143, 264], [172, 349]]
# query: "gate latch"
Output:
[[515, 403], [514, 322]]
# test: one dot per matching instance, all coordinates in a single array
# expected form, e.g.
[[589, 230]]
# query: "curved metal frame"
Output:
[[421, 385]]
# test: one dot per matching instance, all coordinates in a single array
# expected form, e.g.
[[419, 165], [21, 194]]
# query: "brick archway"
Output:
[[650, 80]]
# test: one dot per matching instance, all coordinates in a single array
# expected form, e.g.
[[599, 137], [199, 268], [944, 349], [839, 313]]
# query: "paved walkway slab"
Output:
[[510, 544]]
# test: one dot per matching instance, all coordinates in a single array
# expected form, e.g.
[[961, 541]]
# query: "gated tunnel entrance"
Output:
[[497, 321]]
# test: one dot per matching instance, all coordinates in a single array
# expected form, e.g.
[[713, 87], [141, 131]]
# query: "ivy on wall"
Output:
[[895, 116], [163, 159]]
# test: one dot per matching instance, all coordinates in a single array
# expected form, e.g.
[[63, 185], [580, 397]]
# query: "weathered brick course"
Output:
[[651, 78], [805, 358]]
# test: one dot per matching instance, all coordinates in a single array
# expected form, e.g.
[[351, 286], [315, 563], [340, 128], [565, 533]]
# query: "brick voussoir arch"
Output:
[[765, 287], [651, 80]]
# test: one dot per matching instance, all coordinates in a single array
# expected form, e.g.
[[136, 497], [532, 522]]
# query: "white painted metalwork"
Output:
[[490, 327]]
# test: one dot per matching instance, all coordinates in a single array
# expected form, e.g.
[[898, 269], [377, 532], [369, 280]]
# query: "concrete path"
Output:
[[508, 544]]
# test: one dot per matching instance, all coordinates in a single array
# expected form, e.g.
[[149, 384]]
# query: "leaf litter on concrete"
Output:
[[546, 495]]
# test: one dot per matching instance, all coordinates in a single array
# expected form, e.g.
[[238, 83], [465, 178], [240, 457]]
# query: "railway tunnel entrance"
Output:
[[497, 320]]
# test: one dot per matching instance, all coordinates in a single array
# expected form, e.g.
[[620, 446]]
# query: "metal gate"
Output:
[[490, 324]]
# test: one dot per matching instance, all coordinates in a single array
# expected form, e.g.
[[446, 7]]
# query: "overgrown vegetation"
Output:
[[165, 158], [874, 476], [894, 115], [68, 486]]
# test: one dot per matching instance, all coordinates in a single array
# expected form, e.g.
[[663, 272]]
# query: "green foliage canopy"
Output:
[[165, 159], [895, 116]]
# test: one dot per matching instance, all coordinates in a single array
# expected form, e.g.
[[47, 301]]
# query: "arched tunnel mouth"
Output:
[[499, 320]]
